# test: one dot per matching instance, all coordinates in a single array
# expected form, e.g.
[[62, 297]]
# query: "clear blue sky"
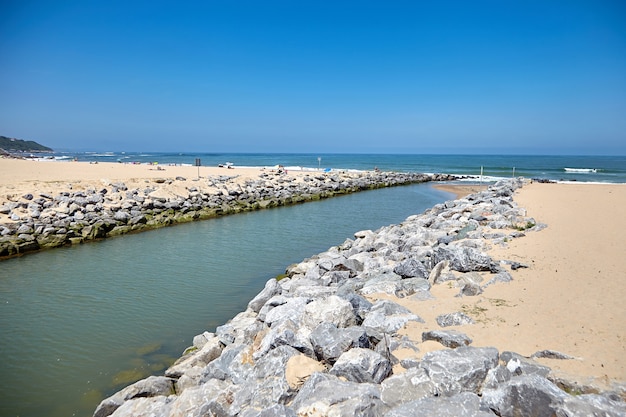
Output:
[[539, 77]]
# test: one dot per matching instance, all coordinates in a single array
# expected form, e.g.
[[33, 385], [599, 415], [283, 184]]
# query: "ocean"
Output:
[[607, 169], [79, 323]]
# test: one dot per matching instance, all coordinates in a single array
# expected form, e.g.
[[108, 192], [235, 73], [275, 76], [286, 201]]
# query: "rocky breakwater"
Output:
[[319, 342], [82, 212]]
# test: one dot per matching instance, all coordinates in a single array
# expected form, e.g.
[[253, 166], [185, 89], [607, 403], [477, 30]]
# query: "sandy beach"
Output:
[[461, 190], [570, 298], [19, 177]]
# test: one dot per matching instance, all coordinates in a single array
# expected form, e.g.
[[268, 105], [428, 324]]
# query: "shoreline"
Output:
[[45, 204], [523, 317], [569, 297]]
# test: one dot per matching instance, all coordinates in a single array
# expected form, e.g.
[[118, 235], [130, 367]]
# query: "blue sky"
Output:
[[538, 77]]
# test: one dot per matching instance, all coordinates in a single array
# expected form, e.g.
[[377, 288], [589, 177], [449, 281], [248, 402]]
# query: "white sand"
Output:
[[571, 298]]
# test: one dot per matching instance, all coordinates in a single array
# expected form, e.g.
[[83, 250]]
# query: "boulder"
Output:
[[280, 308], [152, 406], [240, 329], [274, 363], [275, 410], [271, 289], [201, 400], [220, 368], [387, 317], [201, 357], [527, 395], [463, 259], [333, 309], [461, 369], [121, 216], [465, 404], [285, 333], [327, 395], [412, 385], [153, 386], [593, 405], [362, 365], [411, 268], [330, 342], [448, 338]]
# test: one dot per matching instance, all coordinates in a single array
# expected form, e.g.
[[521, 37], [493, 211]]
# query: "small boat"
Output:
[[226, 165], [581, 170]]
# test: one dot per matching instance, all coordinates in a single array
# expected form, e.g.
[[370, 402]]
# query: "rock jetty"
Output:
[[318, 343], [35, 221]]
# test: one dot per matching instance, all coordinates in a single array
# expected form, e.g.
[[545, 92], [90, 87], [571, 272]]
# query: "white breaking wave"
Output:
[[581, 170]]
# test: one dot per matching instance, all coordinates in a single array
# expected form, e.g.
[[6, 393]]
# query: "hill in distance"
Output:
[[18, 145]]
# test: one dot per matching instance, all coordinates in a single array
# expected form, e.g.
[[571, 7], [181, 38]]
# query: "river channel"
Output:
[[78, 323]]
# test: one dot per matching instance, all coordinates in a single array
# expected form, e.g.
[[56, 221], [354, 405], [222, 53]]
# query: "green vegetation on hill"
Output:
[[19, 145]]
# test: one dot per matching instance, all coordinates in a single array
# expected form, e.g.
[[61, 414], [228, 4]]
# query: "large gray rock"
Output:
[[275, 410], [327, 395], [330, 342], [153, 407], [362, 365], [360, 305], [121, 216], [448, 338], [211, 350], [411, 268], [274, 363], [496, 376], [465, 404], [351, 265], [280, 308], [526, 395], [333, 309], [461, 369], [153, 386], [411, 286], [271, 289], [285, 333], [313, 291], [199, 401], [387, 317], [266, 385], [240, 329], [593, 405], [414, 384], [229, 365], [400, 288], [463, 259]]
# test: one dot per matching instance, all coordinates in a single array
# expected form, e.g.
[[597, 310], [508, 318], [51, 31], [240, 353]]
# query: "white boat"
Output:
[[580, 170]]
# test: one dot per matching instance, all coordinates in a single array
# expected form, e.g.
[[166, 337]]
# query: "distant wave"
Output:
[[581, 170]]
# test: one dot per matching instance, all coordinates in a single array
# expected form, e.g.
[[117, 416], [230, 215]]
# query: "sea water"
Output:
[[81, 322], [611, 169]]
